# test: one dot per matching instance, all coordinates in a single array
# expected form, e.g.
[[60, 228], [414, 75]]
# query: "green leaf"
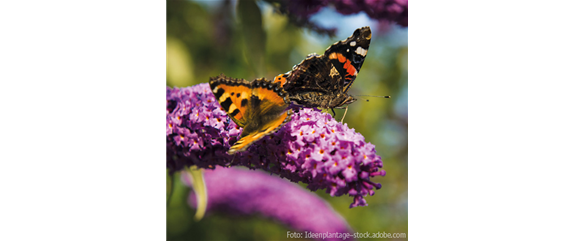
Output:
[[170, 185], [198, 185]]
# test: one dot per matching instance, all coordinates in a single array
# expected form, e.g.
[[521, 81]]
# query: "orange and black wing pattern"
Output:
[[233, 95], [258, 106]]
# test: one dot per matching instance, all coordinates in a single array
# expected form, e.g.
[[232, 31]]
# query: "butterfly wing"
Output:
[[258, 106], [233, 95], [347, 56], [312, 74], [266, 113], [323, 80]]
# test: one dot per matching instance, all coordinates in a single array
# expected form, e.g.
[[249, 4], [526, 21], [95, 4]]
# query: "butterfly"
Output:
[[258, 106], [323, 80]]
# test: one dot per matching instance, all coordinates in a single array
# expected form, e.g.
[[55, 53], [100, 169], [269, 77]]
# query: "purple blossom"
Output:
[[305, 8], [244, 192], [347, 7], [383, 10], [387, 10], [312, 148]]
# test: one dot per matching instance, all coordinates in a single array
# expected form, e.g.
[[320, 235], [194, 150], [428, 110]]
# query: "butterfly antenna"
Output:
[[385, 96], [378, 96], [360, 98]]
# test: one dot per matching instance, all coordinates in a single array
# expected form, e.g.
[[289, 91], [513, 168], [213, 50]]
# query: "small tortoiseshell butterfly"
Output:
[[323, 80], [258, 106]]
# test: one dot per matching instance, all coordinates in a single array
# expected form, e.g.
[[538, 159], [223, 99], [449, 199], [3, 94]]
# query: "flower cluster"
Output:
[[198, 130], [384, 11], [312, 148], [244, 192]]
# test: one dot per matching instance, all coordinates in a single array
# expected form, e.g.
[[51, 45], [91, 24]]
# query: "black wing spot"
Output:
[[238, 94], [226, 104], [235, 112], [358, 59], [243, 102], [220, 92]]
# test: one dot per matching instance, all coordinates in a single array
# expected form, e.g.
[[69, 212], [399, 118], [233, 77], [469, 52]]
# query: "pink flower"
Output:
[[312, 148]]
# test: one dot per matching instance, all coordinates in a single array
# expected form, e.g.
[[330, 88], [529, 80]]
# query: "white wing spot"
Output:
[[353, 43], [361, 51]]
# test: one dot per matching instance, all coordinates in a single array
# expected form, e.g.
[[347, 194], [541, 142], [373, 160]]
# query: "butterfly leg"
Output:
[[232, 159], [347, 108], [333, 110]]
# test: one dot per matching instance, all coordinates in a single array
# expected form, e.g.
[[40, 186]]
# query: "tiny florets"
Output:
[[312, 148]]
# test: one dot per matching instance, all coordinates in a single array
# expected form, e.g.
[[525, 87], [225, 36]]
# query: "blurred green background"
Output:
[[246, 39]]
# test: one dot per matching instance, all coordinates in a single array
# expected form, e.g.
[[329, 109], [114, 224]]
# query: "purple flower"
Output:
[[347, 7], [383, 10], [244, 192], [312, 148], [388, 10], [305, 8]]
